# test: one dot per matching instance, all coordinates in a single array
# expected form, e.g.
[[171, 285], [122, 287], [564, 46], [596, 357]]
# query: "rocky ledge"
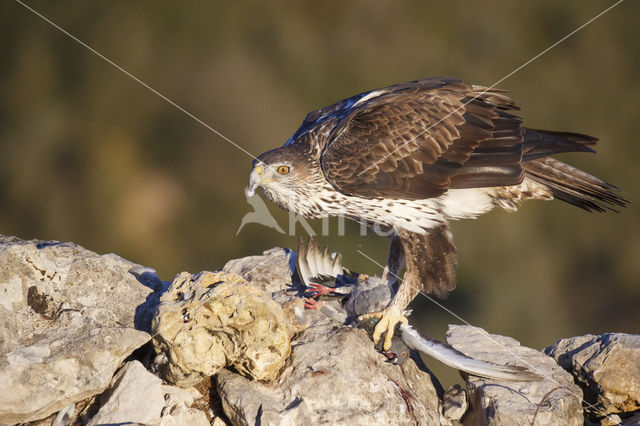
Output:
[[96, 339]]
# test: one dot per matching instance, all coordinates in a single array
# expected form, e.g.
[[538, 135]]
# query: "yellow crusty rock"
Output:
[[215, 319]]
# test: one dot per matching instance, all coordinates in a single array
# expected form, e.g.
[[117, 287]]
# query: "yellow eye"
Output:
[[283, 170]]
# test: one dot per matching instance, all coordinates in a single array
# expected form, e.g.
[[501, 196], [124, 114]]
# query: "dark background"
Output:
[[89, 155]]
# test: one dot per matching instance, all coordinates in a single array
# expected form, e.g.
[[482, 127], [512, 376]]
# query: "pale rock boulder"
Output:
[[271, 271], [135, 396], [607, 367], [211, 320], [334, 376], [455, 403], [138, 396], [65, 416], [69, 317], [555, 399], [177, 409]]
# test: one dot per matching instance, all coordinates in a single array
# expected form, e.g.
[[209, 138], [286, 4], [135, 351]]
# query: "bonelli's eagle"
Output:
[[411, 157]]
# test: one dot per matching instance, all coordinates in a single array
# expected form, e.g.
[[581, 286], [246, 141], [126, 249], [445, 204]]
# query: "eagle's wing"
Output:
[[417, 140]]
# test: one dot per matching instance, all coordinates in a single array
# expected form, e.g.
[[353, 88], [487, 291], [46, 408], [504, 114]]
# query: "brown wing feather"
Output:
[[384, 149]]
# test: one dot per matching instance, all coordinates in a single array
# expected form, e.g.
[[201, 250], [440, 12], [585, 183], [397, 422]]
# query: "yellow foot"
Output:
[[389, 318]]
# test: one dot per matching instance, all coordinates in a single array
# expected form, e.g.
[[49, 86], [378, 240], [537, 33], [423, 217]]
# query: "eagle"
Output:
[[408, 158]]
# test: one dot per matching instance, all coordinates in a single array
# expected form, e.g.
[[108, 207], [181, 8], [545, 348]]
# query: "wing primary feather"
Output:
[[302, 264], [310, 255], [314, 252], [456, 359], [336, 267], [327, 264], [318, 266]]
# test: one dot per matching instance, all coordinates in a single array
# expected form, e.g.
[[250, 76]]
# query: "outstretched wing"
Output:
[[452, 357], [417, 140], [318, 266]]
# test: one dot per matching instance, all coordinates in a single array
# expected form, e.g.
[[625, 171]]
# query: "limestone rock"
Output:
[[334, 375], [553, 400], [217, 421], [138, 396], [611, 420], [177, 409], [69, 318], [180, 416], [211, 320], [271, 271], [135, 396], [65, 416], [607, 367], [455, 403]]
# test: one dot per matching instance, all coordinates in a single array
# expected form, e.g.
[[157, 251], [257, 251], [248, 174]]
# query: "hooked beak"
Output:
[[255, 180]]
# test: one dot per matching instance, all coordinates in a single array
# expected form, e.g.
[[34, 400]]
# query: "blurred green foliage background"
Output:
[[89, 155]]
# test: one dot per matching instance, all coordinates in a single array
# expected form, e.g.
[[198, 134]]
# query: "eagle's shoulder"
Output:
[[333, 117]]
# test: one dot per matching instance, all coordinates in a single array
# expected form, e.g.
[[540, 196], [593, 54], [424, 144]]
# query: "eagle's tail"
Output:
[[565, 182], [574, 186], [543, 143]]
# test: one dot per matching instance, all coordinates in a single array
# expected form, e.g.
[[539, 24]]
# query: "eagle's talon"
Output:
[[389, 318]]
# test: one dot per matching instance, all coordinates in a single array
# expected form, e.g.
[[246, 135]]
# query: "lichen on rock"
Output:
[[211, 320]]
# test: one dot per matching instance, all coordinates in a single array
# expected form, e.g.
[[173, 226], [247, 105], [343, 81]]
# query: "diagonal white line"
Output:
[[534, 368], [151, 89], [142, 83], [494, 84]]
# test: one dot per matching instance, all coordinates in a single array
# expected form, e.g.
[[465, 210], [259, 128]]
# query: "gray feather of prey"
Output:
[[452, 357], [315, 264]]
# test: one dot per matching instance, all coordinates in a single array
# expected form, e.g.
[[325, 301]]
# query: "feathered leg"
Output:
[[395, 261], [430, 261]]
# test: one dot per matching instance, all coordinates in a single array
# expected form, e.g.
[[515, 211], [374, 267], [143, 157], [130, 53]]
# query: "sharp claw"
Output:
[[388, 337], [389, 318]]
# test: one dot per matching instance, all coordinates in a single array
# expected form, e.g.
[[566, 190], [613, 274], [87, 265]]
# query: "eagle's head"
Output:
[[285, 176]]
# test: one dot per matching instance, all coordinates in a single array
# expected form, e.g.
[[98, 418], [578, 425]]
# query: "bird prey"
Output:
[[357, 295], [409, 158]]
